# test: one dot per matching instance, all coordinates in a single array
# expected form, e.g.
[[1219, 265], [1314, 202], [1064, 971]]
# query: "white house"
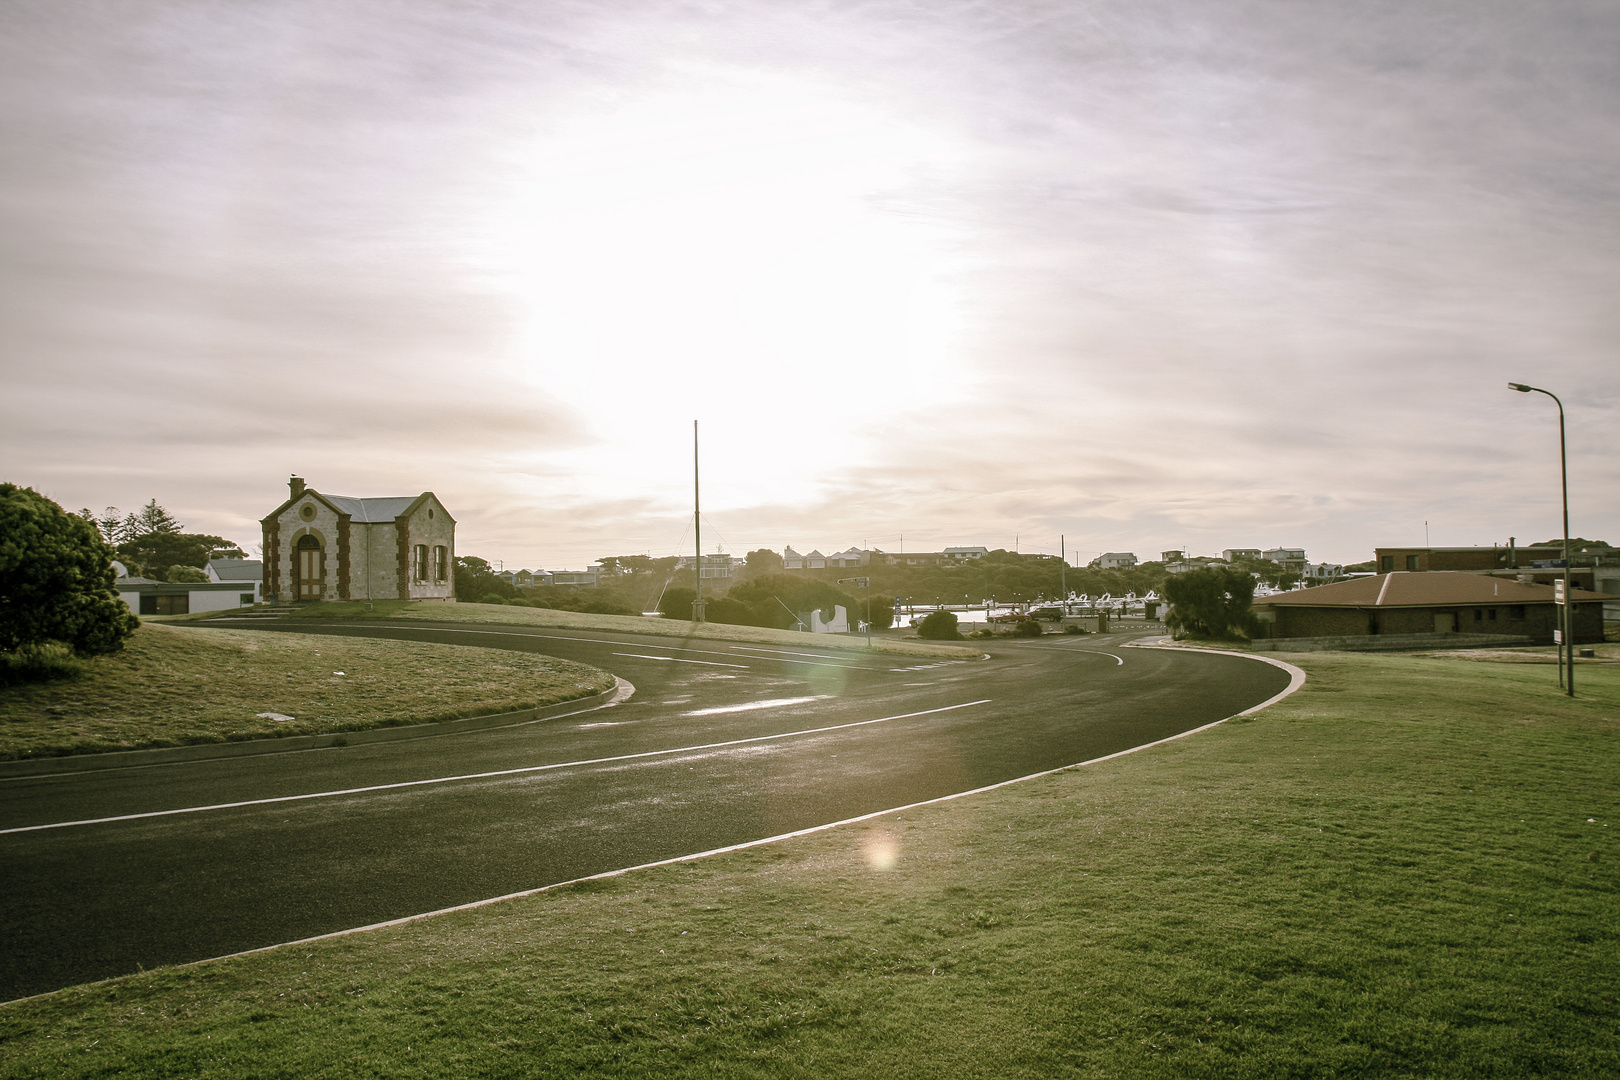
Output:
[[963, 553], [1116, 560], [242, 572], [1290, 558], [1234, 554], [148, 597]]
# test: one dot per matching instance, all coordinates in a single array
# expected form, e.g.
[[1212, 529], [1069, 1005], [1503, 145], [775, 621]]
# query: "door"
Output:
[[1445, 622], [309, 567]]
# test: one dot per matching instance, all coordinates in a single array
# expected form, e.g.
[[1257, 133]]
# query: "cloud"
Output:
[[1148, 273]]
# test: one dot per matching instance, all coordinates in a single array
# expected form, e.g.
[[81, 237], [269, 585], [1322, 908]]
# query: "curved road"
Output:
[[720, 744]]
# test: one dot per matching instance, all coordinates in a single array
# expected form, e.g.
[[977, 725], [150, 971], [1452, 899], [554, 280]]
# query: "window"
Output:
[[1479, 615], [1491, 615], [441, 563], [421, 562], [244, 599], [166, 605], [1412, 561], [1386, 563]]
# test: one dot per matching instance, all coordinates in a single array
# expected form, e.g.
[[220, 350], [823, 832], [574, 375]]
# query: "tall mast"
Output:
[[697, 531]]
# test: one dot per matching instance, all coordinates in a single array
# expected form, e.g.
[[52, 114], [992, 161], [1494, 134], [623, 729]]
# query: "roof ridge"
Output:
[[1384, 588]]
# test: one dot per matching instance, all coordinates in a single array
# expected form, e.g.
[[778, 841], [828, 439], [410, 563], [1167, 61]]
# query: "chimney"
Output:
[[297, 486], [1513, 555]]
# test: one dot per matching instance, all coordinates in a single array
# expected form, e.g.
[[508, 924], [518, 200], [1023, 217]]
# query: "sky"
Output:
[[1123, 275]]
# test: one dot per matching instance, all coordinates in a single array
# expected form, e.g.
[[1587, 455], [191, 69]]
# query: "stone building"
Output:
[[333, 547]]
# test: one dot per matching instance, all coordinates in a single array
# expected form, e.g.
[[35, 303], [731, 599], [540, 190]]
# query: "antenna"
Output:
[[697, 532]]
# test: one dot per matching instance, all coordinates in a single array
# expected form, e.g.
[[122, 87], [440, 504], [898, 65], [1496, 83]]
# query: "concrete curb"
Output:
[[166, 755]]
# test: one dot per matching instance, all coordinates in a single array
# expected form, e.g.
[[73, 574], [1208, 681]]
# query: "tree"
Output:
[[939, 626], [762, 561], [1210, 602], [185, 573], [56, 579], [476, 578], [677, 602]]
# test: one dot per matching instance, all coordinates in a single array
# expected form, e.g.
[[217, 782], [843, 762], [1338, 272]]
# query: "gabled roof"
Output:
[[237, 569], [365, 511], [372, 510], [1421, 589]]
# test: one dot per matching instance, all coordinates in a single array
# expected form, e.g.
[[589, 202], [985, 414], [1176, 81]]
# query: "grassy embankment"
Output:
[[501, 614], [175, 685], [1395, 872]]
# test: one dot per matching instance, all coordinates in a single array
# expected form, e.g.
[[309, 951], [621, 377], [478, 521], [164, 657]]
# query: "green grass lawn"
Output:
[[1407, 869], [175, 685], [502, 614]]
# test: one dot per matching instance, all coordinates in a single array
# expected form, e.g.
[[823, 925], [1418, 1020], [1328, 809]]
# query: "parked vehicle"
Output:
[[1048, 614]]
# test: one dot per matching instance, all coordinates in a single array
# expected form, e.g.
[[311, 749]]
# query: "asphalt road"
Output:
[[720, 744]]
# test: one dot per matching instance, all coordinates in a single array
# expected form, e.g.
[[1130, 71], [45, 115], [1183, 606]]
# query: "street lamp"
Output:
[[1567, 614]]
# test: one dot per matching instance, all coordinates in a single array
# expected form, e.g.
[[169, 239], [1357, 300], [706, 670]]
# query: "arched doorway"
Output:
[[308, 567]]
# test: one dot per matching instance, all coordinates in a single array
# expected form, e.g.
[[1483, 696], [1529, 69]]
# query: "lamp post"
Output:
[[1567, 610]]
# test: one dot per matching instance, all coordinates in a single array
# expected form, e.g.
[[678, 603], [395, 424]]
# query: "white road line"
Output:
[[566, 637], [1295, 681], [786, 652], [679, 660], [773, 703], [488, 775]]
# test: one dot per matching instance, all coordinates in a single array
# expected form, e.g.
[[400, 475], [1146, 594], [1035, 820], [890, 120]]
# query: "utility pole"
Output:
[[1063, 570], [697, 531], [866, 583]]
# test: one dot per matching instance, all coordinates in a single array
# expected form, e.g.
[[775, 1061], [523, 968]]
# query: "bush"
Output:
[[1212, 602], [983, 632], [939, 626], [492, 598], [185, 573], [1074, 629], [39, 663], [1028, 628], [56, 580]]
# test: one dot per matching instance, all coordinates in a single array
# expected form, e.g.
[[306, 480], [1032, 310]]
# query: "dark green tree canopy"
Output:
[[56, 579], [939, 626], [150, 541], [1213, 601]]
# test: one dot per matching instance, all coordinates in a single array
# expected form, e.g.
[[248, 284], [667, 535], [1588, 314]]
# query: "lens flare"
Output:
[[880, 849]]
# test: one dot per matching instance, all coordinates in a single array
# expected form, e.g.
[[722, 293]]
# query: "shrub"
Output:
[[492, 598], [1210, 602], [1028, 628], [939, 626], [39, 663], [1074, 629], [185, 573], [56, 580]]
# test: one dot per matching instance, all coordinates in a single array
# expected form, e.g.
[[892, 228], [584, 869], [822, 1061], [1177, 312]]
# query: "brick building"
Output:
[[1426, 603]]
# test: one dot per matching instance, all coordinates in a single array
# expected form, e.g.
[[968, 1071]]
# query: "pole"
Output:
[[1569, 596], [697, 531], [1566, 611], [1063, 570]]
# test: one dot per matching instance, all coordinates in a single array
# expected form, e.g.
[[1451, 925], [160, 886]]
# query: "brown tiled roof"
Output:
[[1422, 589]]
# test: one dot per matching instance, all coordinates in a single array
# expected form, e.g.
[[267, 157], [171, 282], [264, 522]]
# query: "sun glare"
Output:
[[746, 258]]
